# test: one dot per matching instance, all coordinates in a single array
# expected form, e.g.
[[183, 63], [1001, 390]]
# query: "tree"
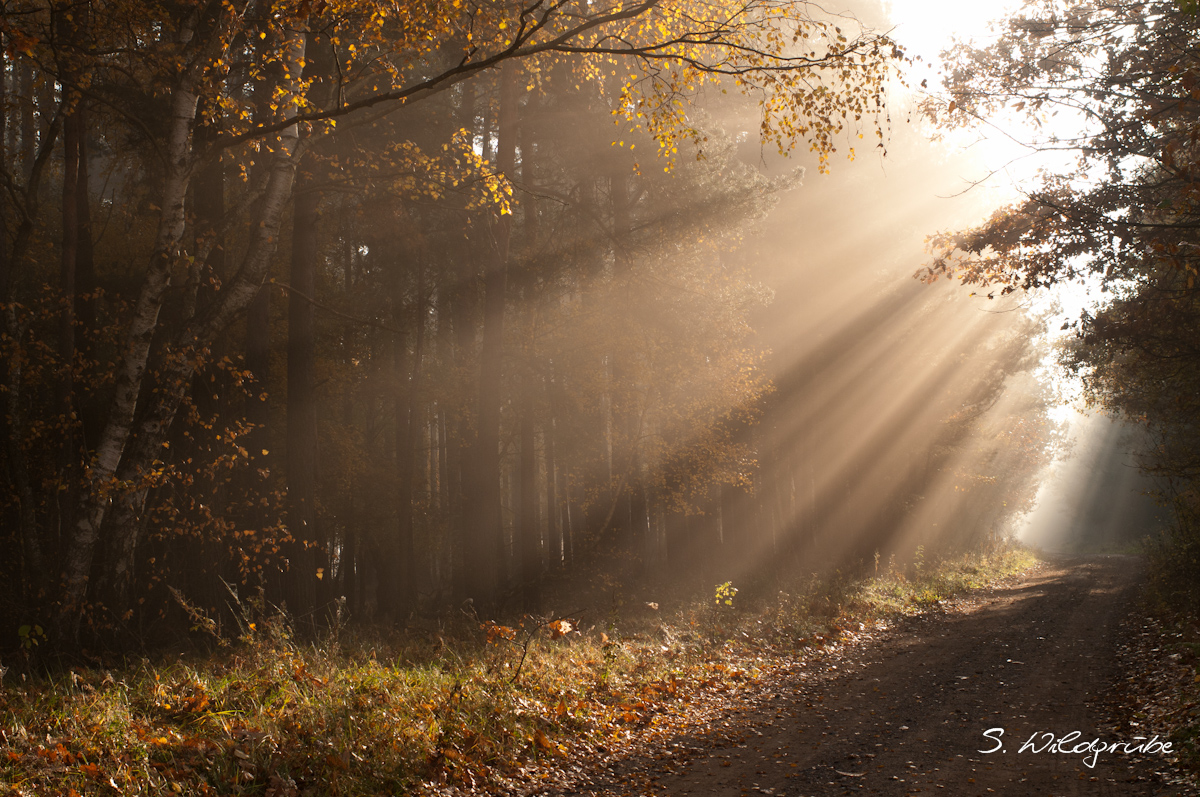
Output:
[[183, 88], [1122, 219]]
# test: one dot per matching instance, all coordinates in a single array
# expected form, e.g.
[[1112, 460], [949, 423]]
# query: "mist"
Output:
[[1095, 497], [508, 334]]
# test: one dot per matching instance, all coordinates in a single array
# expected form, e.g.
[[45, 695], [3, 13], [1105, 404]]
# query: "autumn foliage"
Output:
[[354, 300], [1119, 220]]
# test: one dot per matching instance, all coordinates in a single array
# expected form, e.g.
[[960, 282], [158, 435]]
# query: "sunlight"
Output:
[[1093, 498], [926, 27], [999, 145]]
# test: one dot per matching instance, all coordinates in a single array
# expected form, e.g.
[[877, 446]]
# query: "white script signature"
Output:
[[1073, 743]]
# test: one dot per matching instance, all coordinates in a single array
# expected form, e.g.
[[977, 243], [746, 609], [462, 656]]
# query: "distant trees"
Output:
[[503, 347]]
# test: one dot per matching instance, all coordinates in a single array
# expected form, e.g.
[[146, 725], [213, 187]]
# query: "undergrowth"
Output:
[[362, 712], [1173, 601]]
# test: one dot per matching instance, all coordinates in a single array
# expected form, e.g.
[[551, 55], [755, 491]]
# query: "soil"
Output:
[[904, 709]]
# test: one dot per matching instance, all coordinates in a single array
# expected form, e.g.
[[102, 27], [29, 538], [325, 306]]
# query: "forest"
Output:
[[487, 396], [390, 308]]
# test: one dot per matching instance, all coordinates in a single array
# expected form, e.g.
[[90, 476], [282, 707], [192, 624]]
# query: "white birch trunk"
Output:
[[197, 335]]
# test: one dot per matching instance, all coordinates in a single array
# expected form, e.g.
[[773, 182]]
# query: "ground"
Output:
[[903, 708]]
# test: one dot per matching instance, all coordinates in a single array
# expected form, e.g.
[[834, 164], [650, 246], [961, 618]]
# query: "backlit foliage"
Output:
[[1120, 219], [197, 129]]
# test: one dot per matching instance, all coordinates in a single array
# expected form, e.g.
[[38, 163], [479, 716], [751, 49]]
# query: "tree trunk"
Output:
[[197, 333], [301, 579], [5, 277], [11, 424], [409, 368], [485, 551], [529, 553], [461, 312], [85, 258], [623, 409], [554, 528], [27, 129], [131, 369], [69, 252], [33, 543]]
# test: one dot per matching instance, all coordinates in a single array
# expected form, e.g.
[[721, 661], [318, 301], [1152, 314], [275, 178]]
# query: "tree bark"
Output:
[[485, 550], [529, 554], [69, 253], [301, 579], [131, 368], [410, 370], [529, 527], [5, 277], [554, 526], [461, 298], [12, 424], [85, 258], [197, 334], [27, 129]]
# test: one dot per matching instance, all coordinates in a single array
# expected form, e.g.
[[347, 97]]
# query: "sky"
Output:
[[925, 26]]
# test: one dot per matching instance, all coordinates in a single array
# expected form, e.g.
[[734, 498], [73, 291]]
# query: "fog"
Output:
[[527, 329], [1094, 498], [908, 414]]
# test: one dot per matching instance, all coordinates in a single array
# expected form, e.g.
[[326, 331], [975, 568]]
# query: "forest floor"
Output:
[[888, 685], [1058, 653]]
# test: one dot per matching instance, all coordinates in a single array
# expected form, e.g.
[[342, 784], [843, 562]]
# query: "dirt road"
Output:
[[906, 711]]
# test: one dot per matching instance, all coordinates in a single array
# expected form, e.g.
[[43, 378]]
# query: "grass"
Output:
[[366, 713]]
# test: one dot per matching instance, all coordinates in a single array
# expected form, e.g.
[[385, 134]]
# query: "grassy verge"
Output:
[[366, 714]]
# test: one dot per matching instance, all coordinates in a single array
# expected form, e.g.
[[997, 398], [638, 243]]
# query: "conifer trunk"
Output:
[[485, 549], [301, 579]]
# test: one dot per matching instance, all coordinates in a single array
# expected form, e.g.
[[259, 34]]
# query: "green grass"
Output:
[[366, 713]]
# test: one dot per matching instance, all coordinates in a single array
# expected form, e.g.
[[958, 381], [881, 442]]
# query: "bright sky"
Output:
[[925, 27]]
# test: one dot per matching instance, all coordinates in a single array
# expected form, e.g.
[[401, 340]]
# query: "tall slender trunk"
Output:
[[69, 252], [529, 550], [623, 409], [407, 423], [34, 545], [11, 424], [485, 550], [570, 515], [461, 311], [197, 333], [554, 527], [461, 464], [27, 128], [5, 277], [529, 527], [38, 157], [301, 579], [85, 258]]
